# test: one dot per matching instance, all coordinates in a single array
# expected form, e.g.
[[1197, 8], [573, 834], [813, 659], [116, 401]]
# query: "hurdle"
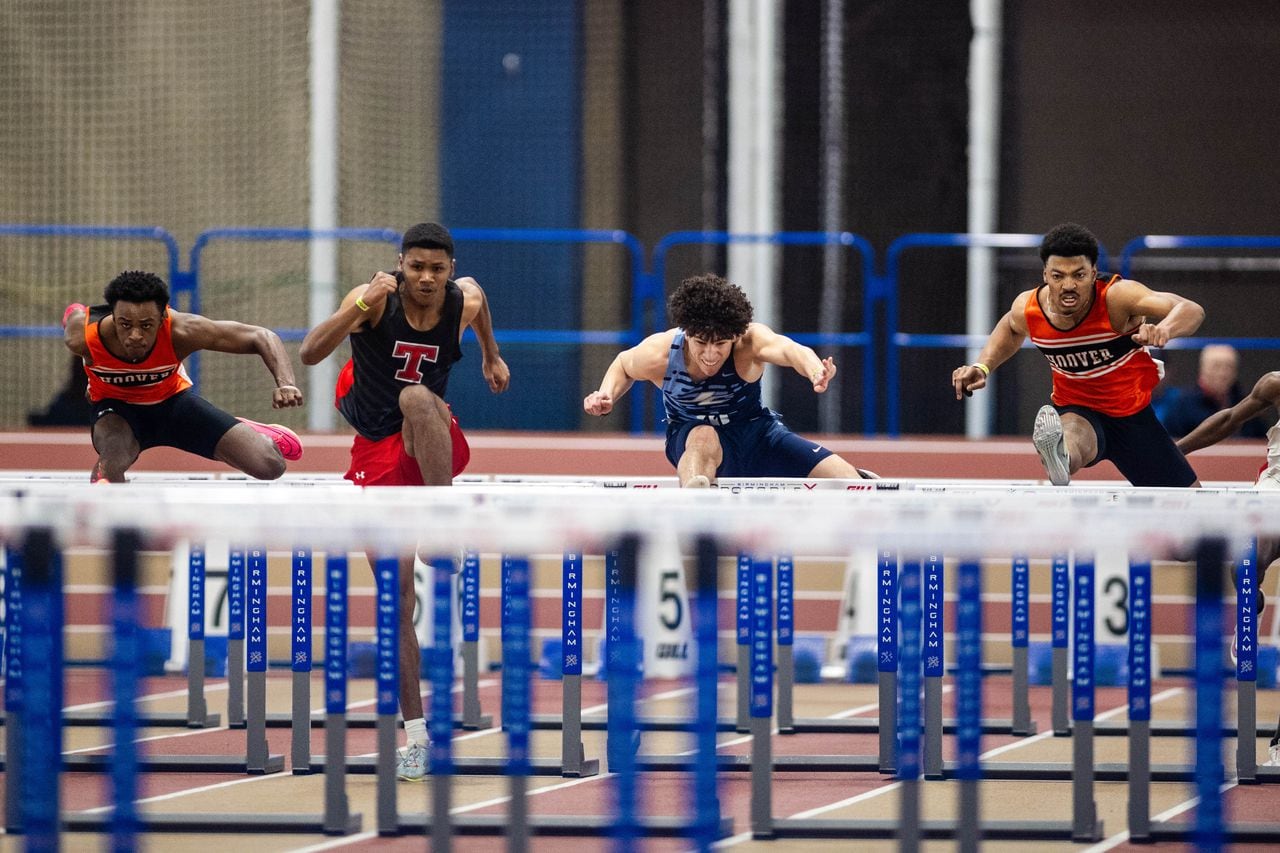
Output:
[[34, 779], [998, 525]]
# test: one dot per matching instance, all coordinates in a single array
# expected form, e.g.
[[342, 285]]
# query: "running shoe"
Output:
[[412, 766], [1273, 759], [867, 475], [1047, 438], [286, 440]]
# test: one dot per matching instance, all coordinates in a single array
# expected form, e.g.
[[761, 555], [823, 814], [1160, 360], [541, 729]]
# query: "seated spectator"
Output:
[[1183, 409]]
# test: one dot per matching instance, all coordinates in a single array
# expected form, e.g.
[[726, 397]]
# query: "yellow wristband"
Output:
[[986, 371], [360, 303]]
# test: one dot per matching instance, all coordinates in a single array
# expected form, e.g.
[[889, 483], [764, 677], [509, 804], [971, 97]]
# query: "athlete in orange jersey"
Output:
[[133, 348], [1094, 331]]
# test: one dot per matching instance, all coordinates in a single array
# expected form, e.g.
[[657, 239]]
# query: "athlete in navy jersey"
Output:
[[709, 370], [405, 328]]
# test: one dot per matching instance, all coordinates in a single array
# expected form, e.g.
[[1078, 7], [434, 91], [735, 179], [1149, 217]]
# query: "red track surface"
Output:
[[661, 793], [603, 455]]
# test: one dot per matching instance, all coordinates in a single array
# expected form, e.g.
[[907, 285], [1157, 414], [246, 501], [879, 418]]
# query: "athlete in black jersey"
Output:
[[405, 329]]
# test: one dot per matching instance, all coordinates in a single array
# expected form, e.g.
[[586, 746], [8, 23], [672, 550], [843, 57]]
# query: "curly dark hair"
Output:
[[1069, 240], [707, 306], [137, 286]]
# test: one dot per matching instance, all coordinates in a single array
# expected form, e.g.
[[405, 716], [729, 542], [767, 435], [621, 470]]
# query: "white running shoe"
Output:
[[1273, 759], [412, 766], [1047, 438]]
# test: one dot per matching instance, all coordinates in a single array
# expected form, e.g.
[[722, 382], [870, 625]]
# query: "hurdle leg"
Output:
[[744, 644], [887, 655], [300, 622], [13, 706], [969, 703], [388, 819], [197, 711], [786, 682], [1022, 723], [1084, 811], [1061, 608], [1139, 779], [933, 728], [1246, 732], [572, 754], [472, 719], [235, 638], [932, 651], [1139, 699], [1020, 636], [256, 724], [386, 572], [300, 753], [1061, 719], [235, 684], [761, 698]]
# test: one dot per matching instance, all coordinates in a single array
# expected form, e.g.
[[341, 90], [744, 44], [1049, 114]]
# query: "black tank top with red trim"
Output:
[[393, 354]]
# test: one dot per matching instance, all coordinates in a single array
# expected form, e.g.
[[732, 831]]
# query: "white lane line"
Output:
[[1000, 750], [1168, 814]]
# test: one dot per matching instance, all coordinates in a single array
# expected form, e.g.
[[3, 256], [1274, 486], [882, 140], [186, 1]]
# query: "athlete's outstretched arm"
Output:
[[646, 361], [1001, 345], [193, 332], [1177, 315], [475, 313], [1224, 423], [775, 348], [73, 323]]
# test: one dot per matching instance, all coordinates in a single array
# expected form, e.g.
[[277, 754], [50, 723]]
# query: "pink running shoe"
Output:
[[286, 439]]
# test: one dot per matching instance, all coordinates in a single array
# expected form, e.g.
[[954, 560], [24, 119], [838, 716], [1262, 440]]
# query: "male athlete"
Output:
[[709, 370], [406, 328], [1094, 331], [133, 348]]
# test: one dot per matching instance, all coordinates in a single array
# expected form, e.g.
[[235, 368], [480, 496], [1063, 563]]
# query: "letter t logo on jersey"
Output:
[[413, 355]]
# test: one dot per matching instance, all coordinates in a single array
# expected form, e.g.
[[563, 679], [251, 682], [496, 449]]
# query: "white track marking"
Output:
[[867, 795], [1168, 814]]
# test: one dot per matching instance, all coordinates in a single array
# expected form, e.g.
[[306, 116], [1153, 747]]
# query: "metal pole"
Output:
[[984, 191], [831, 118], [323, 257]]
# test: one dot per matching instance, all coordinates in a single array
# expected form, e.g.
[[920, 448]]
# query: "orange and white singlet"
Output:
[[156, 378], [1093, 365]]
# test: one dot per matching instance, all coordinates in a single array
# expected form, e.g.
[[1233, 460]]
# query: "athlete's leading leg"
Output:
[[248, 450], [702, 456], [117, 448], [426, 434]]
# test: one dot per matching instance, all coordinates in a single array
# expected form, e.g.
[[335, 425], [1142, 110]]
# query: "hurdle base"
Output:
[[569, 825], [1173, 728], [279, 720], [871, 726], [1232, 833], [597, 722], [309, 824], [102, 763], [781, 763], [468, 766], [1062, 771], [929, 829], [152, 719]]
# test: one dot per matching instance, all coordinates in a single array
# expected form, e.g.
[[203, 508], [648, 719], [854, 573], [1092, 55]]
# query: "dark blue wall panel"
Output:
[[509, 146]]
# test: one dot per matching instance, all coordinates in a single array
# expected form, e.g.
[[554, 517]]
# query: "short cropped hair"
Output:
[[137, 286], [1069, 240], [427, 235], [707, 306]]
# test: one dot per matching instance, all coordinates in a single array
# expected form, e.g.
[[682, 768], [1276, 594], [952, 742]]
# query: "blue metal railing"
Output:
[[655, 289], [87, 232], [880, 291]]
